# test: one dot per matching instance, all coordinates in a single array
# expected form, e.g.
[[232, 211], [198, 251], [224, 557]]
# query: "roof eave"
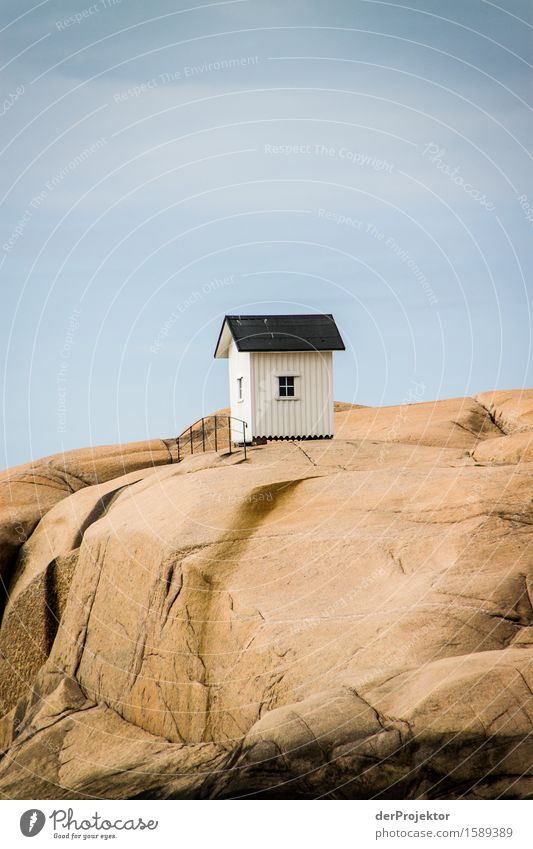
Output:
[[223, 354], [289, 350]]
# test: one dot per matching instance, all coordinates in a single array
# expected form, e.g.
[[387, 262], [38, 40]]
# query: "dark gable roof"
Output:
[[284, 332]]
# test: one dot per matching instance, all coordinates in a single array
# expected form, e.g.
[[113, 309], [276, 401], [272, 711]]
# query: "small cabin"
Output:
[[280, 374]]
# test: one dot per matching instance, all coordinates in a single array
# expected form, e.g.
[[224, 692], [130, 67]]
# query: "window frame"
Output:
[[240, 389], [287, 386]]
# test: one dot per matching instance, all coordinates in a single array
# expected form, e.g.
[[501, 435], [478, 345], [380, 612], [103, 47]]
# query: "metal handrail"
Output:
[[192, 429]]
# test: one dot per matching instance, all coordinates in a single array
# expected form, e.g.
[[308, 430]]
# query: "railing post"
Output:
[[178, 443], [216, 444], [203, 435], [244, 437], [229, 433], [190, 437]]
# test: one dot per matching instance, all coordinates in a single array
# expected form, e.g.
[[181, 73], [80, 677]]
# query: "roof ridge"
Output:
[[284, 315]]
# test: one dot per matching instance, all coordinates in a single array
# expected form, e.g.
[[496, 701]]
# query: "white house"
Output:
[[280, 374]]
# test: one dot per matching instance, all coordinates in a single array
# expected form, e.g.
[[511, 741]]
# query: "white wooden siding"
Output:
[[239, 366], [310, 412]]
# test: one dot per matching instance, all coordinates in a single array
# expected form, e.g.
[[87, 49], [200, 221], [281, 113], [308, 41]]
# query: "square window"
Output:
[[286, 387]]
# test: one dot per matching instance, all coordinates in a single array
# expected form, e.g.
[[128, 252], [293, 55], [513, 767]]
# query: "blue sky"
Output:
[[165, 164]]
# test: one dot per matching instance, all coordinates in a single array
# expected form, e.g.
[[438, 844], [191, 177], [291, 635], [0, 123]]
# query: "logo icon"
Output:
[[32, 822]]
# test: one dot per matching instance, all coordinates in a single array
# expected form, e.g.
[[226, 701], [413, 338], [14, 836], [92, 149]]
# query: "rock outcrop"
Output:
[[345, 618], [27, 492]]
